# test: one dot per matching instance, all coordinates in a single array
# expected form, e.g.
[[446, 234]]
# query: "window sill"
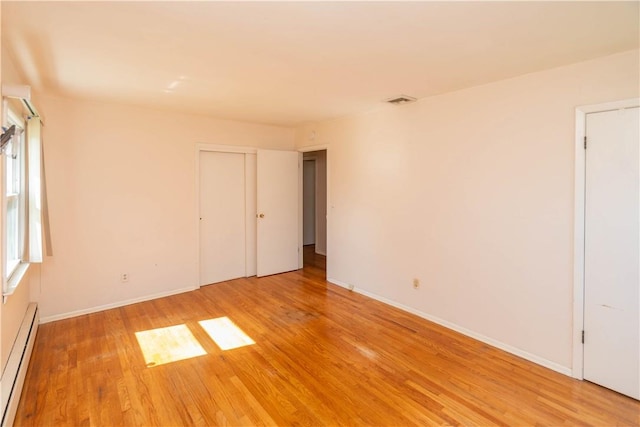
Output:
[[16, 278]]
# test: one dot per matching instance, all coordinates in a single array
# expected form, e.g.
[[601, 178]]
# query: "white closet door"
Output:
[[222, 216], [612, 251], [278, 204]]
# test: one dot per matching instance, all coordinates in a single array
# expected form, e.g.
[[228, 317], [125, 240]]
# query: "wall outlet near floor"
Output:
[[124, 277], [416, 283]]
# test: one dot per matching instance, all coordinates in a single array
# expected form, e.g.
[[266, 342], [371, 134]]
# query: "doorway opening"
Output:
[[314, 209]]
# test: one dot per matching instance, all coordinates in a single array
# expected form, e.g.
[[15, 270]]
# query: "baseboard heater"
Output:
[[16, 369]]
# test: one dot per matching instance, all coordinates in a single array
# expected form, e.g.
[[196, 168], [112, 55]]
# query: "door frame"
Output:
[[579, 224], [315, 173], [307, 149], [200, 147]]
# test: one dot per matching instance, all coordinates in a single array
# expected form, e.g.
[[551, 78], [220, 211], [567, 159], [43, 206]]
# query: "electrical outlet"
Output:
[[124, 277], [416, 283]]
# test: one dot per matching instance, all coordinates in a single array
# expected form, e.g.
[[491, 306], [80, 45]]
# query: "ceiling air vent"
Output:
[[401, 99]]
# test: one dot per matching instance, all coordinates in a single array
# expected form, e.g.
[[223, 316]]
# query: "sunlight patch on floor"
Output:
[[170, 344], [225, 333]]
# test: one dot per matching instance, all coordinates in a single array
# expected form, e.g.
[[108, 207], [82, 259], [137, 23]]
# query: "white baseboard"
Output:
[[464, 331], [68, 315], [339, 283]]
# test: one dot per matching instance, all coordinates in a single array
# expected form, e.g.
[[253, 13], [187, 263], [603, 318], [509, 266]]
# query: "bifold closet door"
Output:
[[222, 216]]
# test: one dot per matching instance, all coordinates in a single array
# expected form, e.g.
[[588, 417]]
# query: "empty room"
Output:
[[320, 213]]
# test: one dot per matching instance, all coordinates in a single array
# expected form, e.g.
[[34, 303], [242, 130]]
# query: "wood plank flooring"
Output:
[[322, 356]]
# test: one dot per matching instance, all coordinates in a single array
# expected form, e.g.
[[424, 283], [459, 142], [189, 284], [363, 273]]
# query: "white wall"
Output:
[[472, 193], [13, 313], [122, 198]]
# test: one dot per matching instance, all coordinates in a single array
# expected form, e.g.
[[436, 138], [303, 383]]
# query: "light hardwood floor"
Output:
[[322, 356]]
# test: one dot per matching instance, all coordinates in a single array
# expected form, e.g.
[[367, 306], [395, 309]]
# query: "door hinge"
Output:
[[582, 337], [585, 142]]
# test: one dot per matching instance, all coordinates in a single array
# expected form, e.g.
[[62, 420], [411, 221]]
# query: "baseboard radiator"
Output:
[[16, 369]]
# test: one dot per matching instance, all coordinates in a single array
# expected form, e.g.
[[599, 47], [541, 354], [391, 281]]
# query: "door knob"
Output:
[[261, 215]]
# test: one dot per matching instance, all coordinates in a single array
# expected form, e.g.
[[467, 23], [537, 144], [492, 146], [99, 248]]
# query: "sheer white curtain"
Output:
[[38, 236]]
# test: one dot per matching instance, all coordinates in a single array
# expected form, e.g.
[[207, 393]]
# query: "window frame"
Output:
[[14, 269]]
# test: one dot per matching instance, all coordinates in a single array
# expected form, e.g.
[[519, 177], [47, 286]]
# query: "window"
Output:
[[24, 216], [14, 200]]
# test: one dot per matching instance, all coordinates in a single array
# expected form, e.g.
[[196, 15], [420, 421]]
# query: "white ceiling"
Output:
[[286, 63]]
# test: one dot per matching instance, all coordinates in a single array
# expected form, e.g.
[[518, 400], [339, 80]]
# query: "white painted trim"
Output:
[[9, 286], [322, 147], [609, 106], [339, 283], [578, 247], [197, 215], [96, 309], [226, 148], [328, 232], [250, 225], [579, 224], [15, 280], [300, 211], [309, 148], [314, 159], [464, 331]]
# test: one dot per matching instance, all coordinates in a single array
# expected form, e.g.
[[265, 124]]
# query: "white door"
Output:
[[309, 202], [278, 208], [612, 251], [222, 216]]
